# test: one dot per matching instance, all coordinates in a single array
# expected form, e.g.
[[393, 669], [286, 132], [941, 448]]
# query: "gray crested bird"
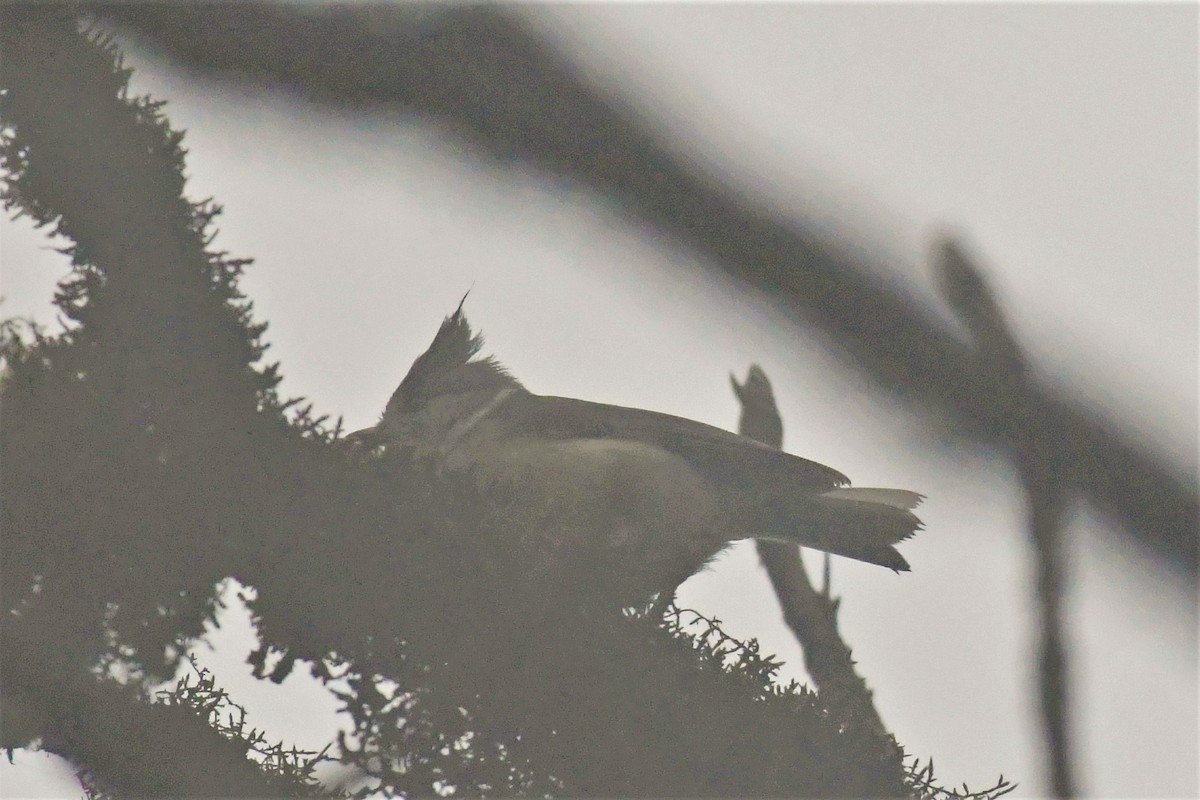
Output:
[[647, 494]]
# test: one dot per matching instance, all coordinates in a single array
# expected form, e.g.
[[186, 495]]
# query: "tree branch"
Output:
[[810, 614]]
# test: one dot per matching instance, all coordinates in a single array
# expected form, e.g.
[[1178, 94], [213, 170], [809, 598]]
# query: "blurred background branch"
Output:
[[967, 293]]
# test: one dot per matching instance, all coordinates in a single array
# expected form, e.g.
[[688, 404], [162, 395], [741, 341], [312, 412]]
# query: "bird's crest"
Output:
[[447, 367]]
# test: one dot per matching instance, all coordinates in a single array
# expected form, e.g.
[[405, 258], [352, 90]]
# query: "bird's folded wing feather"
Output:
[[721, 456]]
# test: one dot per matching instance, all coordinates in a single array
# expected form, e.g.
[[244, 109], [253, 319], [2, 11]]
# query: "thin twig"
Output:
[[811, 614]]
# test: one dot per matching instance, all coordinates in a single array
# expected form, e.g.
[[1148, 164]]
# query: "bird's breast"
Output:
[[635, 501]]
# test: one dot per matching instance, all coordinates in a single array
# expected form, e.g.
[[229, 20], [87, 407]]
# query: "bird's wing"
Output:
[[722, 457]]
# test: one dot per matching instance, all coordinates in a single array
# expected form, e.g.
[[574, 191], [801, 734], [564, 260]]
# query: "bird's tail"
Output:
[[859, 523]]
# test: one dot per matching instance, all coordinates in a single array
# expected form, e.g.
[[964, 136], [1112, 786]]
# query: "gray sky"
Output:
[[1061, 139]]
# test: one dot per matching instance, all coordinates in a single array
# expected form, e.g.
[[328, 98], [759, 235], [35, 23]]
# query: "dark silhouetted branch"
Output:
[[100, 546], [811, 614]]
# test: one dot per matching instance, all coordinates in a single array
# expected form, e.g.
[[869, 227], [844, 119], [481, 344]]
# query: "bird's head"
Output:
[[445, 385]]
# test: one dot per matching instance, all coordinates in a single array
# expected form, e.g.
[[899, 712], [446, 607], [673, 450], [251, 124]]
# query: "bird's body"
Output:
[[655, 493]]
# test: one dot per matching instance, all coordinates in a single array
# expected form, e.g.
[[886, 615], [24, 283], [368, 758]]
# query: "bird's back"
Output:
[[723, 458]]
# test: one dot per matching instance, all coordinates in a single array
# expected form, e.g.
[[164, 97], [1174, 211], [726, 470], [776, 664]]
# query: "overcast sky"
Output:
[[1060, 139]]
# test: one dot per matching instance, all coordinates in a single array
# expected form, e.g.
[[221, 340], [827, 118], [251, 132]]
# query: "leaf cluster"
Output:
[[291, 770]]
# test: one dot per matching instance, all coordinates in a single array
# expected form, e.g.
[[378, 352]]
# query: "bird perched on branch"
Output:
[[646, 494]]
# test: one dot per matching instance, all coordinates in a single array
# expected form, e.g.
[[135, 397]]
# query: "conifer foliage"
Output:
[[147, 458]]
